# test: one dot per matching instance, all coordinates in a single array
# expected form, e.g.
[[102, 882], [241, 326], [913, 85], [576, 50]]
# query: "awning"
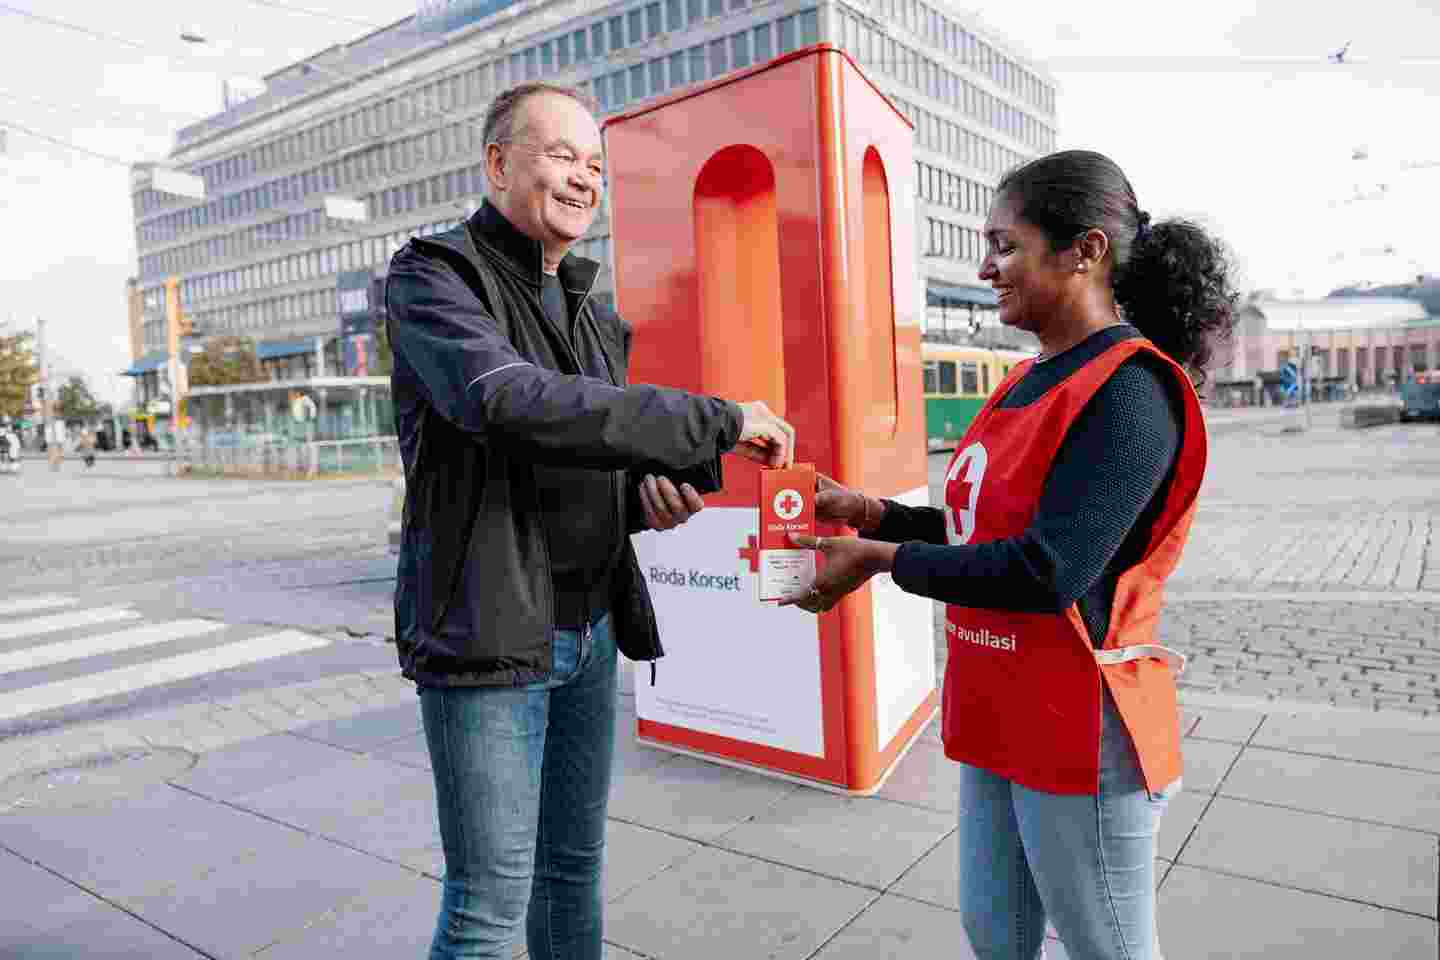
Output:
[[149, 363], [275, 349], [939, 293]]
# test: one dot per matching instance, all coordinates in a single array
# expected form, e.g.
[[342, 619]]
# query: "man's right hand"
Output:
[[764, 437]]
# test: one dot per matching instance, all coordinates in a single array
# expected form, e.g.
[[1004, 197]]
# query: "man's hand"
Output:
[[849, 562], [665, 507], [765, 438]]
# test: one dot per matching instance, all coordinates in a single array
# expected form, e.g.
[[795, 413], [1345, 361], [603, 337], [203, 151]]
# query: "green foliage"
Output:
[[18, 370], [226, 360]]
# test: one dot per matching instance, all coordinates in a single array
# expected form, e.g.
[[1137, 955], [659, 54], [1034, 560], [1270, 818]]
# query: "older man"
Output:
[[530, 460]]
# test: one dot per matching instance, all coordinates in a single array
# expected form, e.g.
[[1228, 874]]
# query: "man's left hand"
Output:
[[666, 507], [849, 562]]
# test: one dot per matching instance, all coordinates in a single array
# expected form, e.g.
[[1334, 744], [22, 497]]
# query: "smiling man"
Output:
[[529, 460]]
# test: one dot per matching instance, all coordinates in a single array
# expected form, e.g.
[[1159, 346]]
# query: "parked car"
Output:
[[1421, 396]]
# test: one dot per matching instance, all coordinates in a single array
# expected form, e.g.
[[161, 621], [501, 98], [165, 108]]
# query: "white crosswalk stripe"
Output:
[[146, 640], [30, 604], [142, 636], [65, 621]]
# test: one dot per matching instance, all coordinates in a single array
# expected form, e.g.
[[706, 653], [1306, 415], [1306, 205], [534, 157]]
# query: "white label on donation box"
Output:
[[787, 506], [732, 667]]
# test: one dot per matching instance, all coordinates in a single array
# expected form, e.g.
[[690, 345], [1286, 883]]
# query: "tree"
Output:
[[226, 360], [384, 358], [18, 371], [75, 401]]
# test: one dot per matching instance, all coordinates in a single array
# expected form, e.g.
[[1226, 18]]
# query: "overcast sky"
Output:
[[1224, 111]]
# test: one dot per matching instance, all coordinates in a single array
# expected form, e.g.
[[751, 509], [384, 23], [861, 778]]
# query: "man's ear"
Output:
[[496, 171]]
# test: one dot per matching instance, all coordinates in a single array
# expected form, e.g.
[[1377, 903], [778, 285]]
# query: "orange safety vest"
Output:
[[1022, 690]]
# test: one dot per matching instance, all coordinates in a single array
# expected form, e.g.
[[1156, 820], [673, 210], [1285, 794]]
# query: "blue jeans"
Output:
[[522, 779], [1087, 863]]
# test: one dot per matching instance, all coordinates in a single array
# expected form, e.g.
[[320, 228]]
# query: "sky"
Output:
[[1225, 112]]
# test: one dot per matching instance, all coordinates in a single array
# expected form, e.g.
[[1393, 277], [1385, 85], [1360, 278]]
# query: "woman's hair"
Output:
[[1171, 279]]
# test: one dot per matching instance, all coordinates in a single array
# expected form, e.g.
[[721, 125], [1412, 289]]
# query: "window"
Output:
[[930, 372], [657, 77], [635, 19], [786, 41], [694, 11], [985, 379], [717, 57], [809, 27], [577, 42], [562, 51], [653, 26], [597, 39], [617, 89], [969, 377], [637, 81], [532, 64], [547, 57], [674, 15], [677, 69], [617, 33], [740, 50], [697, 64], [761, 43], [947, 376], [714, 8]]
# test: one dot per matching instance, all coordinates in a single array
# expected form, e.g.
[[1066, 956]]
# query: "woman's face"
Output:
[[1030, 279]]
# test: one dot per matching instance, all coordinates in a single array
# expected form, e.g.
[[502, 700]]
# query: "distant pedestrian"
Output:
[[1067, 505], [86, 446]]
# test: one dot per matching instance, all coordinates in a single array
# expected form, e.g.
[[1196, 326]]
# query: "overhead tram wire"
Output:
[[109, 158], [320, 14]]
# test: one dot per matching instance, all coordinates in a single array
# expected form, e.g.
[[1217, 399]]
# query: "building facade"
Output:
[[394, 118], [1353, 344]]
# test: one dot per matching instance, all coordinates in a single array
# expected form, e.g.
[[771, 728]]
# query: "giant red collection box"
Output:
[[763, 237]]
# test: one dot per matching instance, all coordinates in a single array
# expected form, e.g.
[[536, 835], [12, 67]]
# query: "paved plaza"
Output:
[[295, 819]]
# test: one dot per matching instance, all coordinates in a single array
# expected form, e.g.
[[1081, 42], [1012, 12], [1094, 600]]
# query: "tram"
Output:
[[958, 379]]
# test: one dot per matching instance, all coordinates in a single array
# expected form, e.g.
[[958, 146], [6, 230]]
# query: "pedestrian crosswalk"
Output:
[[45, 642]]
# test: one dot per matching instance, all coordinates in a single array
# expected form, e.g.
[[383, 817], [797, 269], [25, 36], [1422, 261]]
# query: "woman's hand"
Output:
[[849, 563], [837, 504]]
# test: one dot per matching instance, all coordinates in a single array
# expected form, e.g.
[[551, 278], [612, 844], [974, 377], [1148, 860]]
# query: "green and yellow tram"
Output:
[[957, 381]]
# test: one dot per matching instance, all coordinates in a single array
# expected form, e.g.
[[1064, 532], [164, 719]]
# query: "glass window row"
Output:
[[952, 190], [946, 137], [454, 186], [951, 241], [342, 174], [943, 33], [874, 48], [706, 61]]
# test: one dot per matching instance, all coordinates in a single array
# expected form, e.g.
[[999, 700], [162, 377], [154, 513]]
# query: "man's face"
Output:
[[549, 175]]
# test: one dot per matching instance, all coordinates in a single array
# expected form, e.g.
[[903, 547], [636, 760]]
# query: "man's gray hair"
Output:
[[500, 118]]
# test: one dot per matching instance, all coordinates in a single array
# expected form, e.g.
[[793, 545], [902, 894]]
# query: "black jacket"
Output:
[[485, 388]]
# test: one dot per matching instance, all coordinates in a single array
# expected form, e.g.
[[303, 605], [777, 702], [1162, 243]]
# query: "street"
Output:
[[206, 750], [1302, 540]]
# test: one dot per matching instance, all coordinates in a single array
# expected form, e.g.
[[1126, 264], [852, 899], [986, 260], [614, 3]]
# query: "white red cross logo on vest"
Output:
[[964, 478]]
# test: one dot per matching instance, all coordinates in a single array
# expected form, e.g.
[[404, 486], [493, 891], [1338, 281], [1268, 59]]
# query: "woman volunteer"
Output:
[[1066, 506]]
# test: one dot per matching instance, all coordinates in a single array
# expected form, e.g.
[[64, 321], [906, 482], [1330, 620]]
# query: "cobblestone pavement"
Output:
[[1312, 574], [1313, 570]]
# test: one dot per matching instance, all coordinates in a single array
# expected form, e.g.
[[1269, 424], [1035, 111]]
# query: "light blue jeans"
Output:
[[522, 779], [1087, 863]]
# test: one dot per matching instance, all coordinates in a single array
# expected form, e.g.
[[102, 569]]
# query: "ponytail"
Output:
[[1176, 289]]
